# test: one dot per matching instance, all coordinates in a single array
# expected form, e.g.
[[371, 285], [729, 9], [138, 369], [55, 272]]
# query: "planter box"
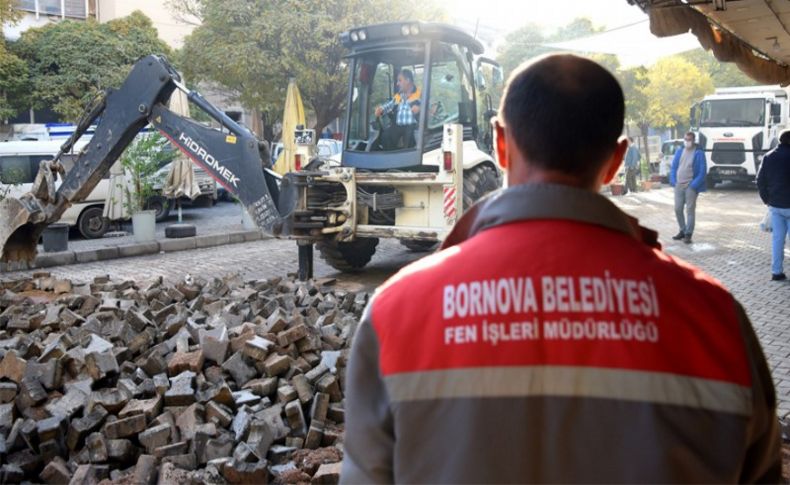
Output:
[[617, 189], [144, 226]]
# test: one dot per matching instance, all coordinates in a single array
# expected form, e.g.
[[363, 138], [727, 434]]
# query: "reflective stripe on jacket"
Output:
[[553, 341]]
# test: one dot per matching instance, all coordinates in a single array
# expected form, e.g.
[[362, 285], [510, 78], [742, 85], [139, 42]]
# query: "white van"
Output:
[[19, 161]]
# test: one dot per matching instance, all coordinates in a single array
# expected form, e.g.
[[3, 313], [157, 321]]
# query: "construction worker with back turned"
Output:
[[551, 340]]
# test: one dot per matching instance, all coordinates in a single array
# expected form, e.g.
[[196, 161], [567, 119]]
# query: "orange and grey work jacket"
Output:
[[553, 341]]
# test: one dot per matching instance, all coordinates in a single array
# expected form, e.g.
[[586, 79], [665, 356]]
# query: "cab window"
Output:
[[374, 85], [451, 98]]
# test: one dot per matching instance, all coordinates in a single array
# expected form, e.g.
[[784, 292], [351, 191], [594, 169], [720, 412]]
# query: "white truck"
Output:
[[736, 127]]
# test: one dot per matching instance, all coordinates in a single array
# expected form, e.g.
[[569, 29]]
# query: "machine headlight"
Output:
[[404, 30], [414, 30], [354, 37], [363, 35]]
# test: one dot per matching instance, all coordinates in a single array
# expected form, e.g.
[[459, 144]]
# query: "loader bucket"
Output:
[[18, 236]]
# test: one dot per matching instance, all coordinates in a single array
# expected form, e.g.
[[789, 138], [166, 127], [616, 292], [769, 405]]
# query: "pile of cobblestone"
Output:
[[198, 382]]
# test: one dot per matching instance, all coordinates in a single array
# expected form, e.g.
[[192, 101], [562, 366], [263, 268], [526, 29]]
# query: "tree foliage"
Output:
[[723, 74], [252, 48], [13, 82], [529, 41], [674, 84], [13, 71], [69, 62]]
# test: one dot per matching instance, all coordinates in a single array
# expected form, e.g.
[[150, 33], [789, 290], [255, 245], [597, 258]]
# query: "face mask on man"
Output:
[[688, 143]]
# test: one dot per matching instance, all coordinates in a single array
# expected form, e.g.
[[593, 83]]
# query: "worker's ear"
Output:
[[616, 160], [500, 143]]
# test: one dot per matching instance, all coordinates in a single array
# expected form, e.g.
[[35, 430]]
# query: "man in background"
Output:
[[773, 182], [687, 176], [632, 158]]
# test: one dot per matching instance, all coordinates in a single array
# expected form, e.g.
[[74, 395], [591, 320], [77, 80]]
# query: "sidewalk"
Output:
[[216, 226]]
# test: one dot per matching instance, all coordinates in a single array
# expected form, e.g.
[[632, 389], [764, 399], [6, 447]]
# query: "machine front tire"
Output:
[[710, 182], [478, 181], [348, 257]]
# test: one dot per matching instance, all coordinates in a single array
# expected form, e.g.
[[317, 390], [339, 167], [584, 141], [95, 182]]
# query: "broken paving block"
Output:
[[56, 472], [238, 369], [276, 365], [80, 427], [257, 348], [181, 392], [328, 474], [328, 384], [303, 388], [111, 399], [215, 343], [125, 427], [295, 415], [320, 407], [155, 437], [218, 413], [245, 472], [183, 361], [13, 366], [101, 364], [148, 407]]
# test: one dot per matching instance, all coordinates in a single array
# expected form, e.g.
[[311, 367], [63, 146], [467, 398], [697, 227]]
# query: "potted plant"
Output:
[[141, 159]]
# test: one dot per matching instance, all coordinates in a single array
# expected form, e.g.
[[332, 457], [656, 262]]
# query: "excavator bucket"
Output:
[[18, 235]]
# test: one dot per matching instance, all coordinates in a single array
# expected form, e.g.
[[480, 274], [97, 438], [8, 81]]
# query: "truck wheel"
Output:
[[478, 181], [348, 257], [160, 205], [91, 223], [419, 246]]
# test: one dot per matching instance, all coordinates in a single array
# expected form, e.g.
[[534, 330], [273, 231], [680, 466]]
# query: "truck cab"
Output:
[[736, 127]]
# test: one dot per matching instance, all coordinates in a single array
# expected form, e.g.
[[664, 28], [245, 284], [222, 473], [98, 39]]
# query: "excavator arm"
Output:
[[230, 155]]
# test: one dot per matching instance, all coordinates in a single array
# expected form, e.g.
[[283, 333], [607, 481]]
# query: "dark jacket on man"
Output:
[[773, 181]]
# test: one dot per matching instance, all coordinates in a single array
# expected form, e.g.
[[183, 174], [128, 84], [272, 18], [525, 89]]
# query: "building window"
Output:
[[61, 8]]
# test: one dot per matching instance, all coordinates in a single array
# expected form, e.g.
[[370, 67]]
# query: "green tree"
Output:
[[723, 74], [673, 85], [253, 48], [634, 81], [13, 71], [529, 41], [70, 62], [13, 83]]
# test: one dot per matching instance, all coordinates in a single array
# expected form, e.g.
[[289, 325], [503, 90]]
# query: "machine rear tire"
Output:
[[419, 246], [478, 181], [348, 257]]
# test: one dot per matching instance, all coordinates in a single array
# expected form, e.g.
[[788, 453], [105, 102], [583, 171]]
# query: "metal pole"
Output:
[[305, 261]]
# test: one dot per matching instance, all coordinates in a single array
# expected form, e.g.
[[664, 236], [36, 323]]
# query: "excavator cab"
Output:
[[408, 80]]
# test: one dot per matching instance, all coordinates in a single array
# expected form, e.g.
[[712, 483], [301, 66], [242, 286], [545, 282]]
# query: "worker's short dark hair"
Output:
[[565, 113], [691, 134], [784, 137], [407, 74]]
